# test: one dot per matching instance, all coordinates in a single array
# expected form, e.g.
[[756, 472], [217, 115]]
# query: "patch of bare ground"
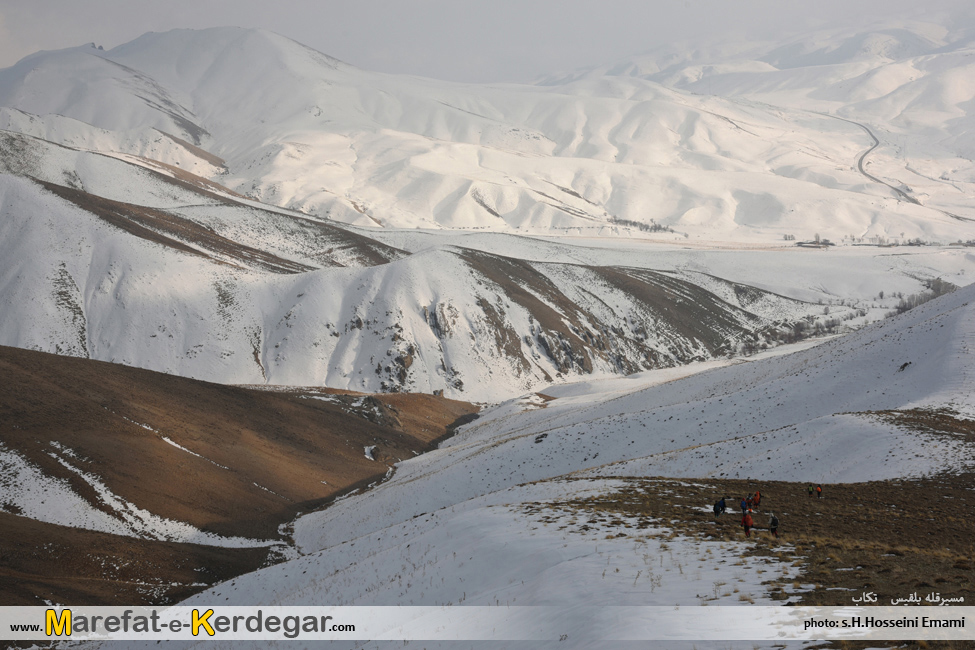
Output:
[[202, 154], [940, 421], [247, 460], [183, 234], [41, 562], [175, 232], [891, 538]]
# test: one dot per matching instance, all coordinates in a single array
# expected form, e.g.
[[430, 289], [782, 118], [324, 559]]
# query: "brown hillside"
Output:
[[262, 456]]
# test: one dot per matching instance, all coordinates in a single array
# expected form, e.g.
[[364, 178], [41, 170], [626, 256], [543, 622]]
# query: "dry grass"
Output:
[[889, 537]]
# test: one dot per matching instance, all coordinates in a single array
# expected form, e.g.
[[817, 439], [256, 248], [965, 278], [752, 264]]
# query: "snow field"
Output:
[[380, 150]]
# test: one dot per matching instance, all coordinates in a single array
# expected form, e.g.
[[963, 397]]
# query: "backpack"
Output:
[[774, 523]]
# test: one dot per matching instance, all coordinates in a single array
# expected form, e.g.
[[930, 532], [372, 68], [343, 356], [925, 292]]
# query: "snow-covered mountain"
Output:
[[229, 205], [155, 268], [910, 84], [185, 203], [280, 122]]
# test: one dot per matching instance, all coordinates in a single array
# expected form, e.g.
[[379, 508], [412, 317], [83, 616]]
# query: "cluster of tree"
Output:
[[793, 332], [653, 226], [935, 287]]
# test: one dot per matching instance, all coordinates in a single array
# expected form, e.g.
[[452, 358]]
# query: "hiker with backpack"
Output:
[[811, 489], [819, 491], [720, 507], [773, 525]]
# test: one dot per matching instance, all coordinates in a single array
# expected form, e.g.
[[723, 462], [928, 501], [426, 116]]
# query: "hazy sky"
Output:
[[498, 40]]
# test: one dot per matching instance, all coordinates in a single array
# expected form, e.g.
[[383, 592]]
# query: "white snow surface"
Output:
[[73, 284], [560, 175], [298, 129], [911, 83]]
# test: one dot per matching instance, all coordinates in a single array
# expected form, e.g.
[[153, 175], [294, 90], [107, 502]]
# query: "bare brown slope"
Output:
[[327, 236], [170, 230], [889, 537], [42, 562], [299, 451], [202, 154], [332, 245], [263, 457]]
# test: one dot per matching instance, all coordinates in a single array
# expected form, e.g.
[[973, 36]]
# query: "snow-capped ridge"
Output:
[[300, 130]]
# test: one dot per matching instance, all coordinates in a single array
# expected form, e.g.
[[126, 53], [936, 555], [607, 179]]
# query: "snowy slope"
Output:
[[726, 422], [295, 128], [909, 83], [120, 259], [456, 526], [152, 267]]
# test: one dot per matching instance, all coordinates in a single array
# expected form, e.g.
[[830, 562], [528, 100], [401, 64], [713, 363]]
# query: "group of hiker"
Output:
[[750, 503]]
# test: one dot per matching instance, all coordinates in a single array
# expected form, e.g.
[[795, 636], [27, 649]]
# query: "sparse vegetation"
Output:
[[935, 287], [653, 226], [888, 537]]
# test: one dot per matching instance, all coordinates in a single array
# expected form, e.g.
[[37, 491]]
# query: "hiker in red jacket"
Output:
[[747, 522], [819, 491], [758, 498]]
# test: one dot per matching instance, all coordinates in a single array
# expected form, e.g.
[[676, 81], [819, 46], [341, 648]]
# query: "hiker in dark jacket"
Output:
[[773, 525], [747, 522], [744, 506], [719, 508]]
